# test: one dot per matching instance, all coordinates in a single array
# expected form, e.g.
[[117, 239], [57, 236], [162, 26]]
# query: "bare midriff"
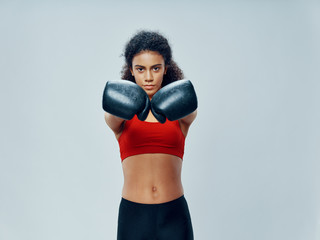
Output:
[[152, 178]]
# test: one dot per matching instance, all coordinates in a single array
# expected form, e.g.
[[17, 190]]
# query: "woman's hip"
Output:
[[169, 220]]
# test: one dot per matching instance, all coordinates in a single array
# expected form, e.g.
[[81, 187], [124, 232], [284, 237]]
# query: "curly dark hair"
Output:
[[150, 41]]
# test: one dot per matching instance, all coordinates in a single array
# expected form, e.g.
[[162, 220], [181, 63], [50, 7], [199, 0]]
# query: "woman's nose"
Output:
[[149, 76]]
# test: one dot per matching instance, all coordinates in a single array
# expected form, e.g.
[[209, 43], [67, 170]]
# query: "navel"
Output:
[[154, 189]]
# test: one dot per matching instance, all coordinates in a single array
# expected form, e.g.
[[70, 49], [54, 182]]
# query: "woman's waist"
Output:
[[152, 191], [143, 183]]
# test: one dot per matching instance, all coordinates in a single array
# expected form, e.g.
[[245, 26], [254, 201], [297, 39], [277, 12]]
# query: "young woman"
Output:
[[150, 115]]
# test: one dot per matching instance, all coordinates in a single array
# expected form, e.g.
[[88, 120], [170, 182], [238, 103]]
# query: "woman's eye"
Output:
[[139, 69], [156, 68]]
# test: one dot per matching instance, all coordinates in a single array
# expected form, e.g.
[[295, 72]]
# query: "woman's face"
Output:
[[148, 68]]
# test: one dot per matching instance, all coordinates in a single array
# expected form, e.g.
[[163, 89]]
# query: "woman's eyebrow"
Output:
[[151, 66]]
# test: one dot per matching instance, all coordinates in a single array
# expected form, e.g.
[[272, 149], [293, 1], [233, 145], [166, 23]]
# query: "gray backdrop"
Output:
[[251, 166]]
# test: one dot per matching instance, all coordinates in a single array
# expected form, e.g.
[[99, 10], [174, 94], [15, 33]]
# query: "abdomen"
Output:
[[152, 178]]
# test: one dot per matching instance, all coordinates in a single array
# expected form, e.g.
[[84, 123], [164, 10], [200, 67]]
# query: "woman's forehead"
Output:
[[147, 58]]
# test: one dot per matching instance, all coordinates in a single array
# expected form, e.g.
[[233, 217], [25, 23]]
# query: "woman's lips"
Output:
[[148, 87]]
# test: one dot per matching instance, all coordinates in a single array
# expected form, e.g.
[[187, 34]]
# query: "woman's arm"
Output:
[[115, 123], [186, 122]]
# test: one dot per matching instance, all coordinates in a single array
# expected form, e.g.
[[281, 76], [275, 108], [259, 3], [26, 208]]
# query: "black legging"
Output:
[[164, 221]]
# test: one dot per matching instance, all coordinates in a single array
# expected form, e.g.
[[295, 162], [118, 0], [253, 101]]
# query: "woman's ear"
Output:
[[131, 71]]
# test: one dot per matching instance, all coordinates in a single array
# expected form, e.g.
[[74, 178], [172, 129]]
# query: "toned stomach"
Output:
[[152, 178]]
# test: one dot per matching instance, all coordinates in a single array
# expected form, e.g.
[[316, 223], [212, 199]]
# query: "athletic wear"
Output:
[[140, 137], [164, 221]]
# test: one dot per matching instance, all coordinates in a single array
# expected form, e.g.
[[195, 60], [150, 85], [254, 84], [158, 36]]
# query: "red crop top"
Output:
[[140, 137]]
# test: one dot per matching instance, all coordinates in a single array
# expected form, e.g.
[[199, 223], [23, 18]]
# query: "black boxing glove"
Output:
[[124, 99], [174, 101]]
